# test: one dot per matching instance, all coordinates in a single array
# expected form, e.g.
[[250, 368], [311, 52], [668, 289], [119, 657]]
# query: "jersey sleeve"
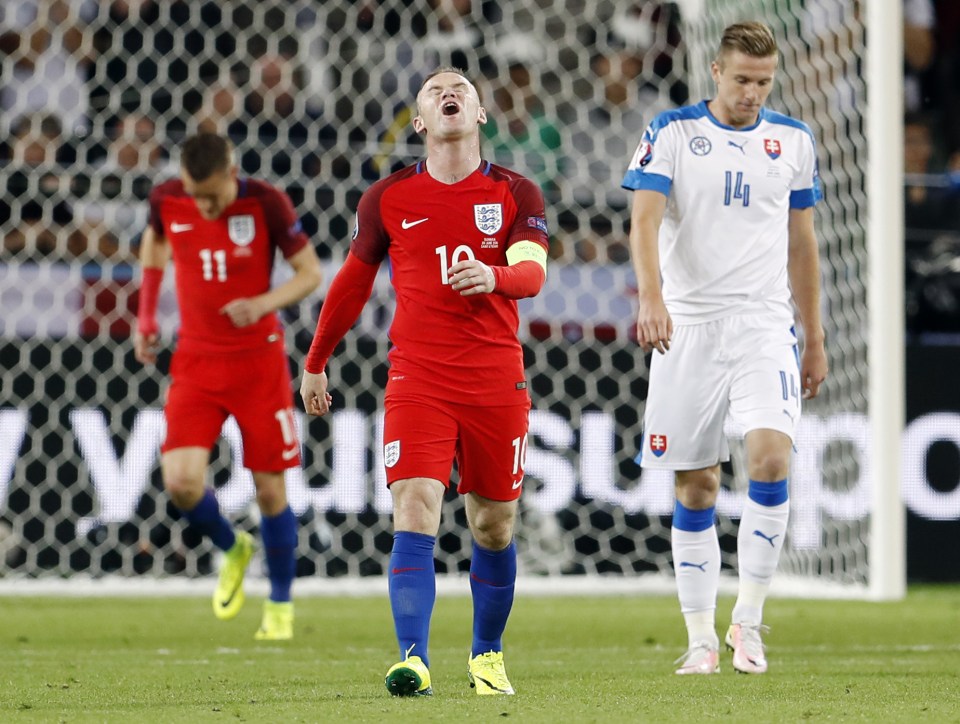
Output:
[[530, 223], [370, 239], [349, 291], [652, 165], [283, 224], [155, 201], [806, 190]]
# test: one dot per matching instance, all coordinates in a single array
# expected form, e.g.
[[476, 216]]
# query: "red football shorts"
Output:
[[254, 387], [423, 436]]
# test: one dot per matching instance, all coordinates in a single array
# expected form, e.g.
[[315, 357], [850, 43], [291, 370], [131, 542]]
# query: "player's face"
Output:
[[214, 193], [743, 84], [449, 107]]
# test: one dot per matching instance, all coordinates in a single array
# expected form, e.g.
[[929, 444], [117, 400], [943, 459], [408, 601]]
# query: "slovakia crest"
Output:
[[772, 147], [658, 444], [241, 229], [488, 217], [700, 145], [391, 453]]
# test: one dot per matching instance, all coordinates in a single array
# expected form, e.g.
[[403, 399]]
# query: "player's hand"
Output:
[[145, 346], [313, 390], [243, 312], [654, 325], [813, 369], [471, 277]]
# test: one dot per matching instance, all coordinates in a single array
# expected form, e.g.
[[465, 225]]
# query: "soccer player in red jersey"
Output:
[[223, 233], [464, 239]]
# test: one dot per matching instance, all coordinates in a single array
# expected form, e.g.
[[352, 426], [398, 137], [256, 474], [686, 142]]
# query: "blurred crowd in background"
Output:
[[318, 97]]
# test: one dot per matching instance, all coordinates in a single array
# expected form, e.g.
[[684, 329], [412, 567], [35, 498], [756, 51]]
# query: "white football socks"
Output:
[[696, 562], [759, 542]]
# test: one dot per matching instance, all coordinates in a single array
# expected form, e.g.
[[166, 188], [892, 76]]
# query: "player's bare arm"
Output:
[[313, 390], [155, 252], [803, 267], [306, 279], [654, 325]]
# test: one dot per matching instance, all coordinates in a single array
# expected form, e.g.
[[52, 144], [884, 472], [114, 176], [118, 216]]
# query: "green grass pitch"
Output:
[[605, 659]]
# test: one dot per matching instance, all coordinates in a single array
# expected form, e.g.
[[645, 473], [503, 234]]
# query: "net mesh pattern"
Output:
[[317, 98]]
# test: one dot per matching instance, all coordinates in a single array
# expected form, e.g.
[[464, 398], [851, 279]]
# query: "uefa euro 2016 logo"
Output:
[[488, 217]]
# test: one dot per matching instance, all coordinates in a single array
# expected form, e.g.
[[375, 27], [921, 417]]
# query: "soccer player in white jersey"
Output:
[[722, 237]]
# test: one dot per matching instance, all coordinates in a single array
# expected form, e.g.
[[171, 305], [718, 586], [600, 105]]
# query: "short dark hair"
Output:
[[446, 69], [750, 38], [205, 154]]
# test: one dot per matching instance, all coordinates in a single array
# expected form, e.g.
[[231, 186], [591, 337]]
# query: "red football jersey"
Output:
[[228, 258], [446, 345]]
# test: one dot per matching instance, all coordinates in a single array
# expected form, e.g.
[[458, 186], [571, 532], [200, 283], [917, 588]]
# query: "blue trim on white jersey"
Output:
[[684, 113], [713, 119], [784, 120], [637, 180], [805, 198], [701, 110]]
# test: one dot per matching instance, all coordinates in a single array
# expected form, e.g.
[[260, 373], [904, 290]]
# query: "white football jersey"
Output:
[[723, 240]]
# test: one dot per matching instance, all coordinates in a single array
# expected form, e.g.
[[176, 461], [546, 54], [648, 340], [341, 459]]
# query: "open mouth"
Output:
[[450, 108]]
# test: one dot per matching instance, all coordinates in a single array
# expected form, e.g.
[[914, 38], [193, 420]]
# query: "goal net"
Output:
[[317, 98]]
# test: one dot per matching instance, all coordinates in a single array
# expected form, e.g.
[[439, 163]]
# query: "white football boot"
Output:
[[703, 657], [747, 646]]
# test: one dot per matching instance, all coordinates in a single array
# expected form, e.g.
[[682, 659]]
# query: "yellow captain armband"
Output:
[[527, 251]]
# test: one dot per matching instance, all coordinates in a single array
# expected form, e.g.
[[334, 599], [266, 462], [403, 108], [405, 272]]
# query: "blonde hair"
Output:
[[750, 38]]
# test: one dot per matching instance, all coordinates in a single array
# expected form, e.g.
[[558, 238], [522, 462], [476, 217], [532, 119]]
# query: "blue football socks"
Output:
[[206, 518], [413, 591], [279, 535], [493, 577]]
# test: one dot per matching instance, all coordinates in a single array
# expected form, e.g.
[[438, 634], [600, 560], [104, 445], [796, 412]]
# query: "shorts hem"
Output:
[[680, 467]]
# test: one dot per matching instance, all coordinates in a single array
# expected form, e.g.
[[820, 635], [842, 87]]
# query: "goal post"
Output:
[[884, 73]]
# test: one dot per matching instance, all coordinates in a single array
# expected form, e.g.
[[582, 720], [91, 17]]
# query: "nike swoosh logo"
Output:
[[518, 483], [490, 684], [177, 228], [226, 602], [289, 454], [410, 224]]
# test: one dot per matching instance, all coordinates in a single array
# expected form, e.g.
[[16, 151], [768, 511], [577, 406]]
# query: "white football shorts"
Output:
[[745, 366]]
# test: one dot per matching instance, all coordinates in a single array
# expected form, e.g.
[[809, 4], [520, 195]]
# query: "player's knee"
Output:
[[271, 492], [768, 466], [492, 532], [494, 539], [698, 489], [183, 490], [271, 501]]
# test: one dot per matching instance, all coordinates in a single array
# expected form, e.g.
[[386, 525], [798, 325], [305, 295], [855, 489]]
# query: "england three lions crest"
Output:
[[391, 453], [241, 229], [488, 217]]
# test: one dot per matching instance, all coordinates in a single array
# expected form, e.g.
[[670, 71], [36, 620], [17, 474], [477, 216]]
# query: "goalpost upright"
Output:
[[885, 293]]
